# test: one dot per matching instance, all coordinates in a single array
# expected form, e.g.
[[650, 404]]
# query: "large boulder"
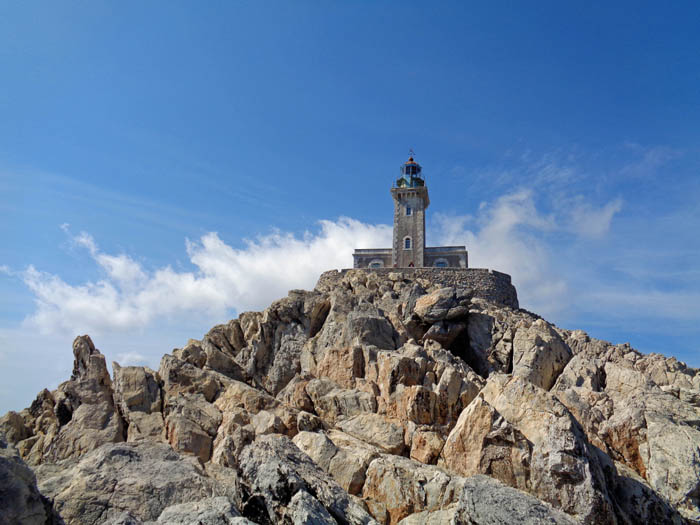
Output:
[[84, 414], [485, 501], [483, 442], [137, 395], [273, 470], [396, 487], [539, 353], [20, 499], [563, 468], [141, 479], [210, 511]]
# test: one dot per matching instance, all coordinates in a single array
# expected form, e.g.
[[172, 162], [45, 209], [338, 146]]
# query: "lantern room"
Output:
[[411, 175]]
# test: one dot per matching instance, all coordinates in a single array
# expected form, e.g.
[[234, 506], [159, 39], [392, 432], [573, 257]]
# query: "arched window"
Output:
[[409, 211], [441, 263], [407, 243], [376, 263]]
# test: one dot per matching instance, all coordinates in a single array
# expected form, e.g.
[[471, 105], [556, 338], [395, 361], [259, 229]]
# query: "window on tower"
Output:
[[409, 211], [407, 243]]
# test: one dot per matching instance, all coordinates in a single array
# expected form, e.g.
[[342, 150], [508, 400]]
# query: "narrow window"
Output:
[[407, 243], [409, 211]]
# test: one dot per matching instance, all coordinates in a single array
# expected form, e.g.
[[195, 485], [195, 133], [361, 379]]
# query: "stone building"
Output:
[[411, 199]]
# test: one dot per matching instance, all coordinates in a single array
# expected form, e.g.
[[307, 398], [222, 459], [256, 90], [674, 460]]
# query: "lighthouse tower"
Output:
[[410, 201], [410, 195]]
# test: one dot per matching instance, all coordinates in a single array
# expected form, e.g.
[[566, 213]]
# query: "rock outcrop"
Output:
[[380, 397]]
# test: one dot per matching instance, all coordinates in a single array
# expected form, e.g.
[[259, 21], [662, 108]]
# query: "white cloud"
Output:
[[508, 234], [590, 221], [129, 296]]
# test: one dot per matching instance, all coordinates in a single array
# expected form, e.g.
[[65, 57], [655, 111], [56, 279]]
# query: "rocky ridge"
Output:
[[378, 397]]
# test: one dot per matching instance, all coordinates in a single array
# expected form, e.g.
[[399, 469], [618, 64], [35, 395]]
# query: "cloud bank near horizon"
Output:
[[509, 234]]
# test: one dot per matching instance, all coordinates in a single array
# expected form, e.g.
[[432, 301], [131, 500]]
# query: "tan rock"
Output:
[[145, 426], [564, 471], [539, 353], [85, 414], [342, 366], [483, 442], [426, 446], [377, 430], [334, 404], [182, 377], [403, 487], [191, 424], [308, 422], [417, 404], [294, 394], [265, 422]]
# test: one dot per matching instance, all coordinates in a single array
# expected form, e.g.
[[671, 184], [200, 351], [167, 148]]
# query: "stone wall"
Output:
[[488, 284]]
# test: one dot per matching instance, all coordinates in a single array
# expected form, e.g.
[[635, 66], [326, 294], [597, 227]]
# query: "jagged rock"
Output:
[[265, 422], [443, 304], [209, 511], [137, 395], [377, 430], [445, 332], [139, 478], [637, 502], [308, 422], [342, 366], [404, 486], [192, 353], [136, 389], [368, 366], [191, 424], [84, 410], [334, 404], [634, 420], [563, 469], [183, 377], [12, 426], [343, 457], [539, 353], [294, 394], [317, 446], [20, 500], [274, 470], [485, 501], [304, 509], [426, 446], [483, 442]]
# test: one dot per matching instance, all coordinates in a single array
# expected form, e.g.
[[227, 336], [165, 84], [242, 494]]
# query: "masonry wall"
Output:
[[487, 284], [409, 225], [363, 260]]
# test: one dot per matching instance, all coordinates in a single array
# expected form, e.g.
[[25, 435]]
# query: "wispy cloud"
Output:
[[223, 278], [509, 234], [589, 220], [647, 159]]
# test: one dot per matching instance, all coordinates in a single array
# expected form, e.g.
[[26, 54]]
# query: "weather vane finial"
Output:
[[411, 153]]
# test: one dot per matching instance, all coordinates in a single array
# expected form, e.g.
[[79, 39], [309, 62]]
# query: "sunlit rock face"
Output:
[[379, 397]]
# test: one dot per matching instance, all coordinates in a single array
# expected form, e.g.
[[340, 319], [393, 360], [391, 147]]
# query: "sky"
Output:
[[165, 166]]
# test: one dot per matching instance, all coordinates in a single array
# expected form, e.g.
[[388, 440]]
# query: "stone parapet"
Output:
[[490, 285]]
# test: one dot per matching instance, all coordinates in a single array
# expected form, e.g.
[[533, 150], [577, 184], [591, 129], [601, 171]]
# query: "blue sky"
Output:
[[164, 166]]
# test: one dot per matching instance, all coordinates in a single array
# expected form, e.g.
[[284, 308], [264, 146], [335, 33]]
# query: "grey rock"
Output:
[[209, 511], [273, 469], [485, 501], [304, 509], [141, 479], [20, 499]]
